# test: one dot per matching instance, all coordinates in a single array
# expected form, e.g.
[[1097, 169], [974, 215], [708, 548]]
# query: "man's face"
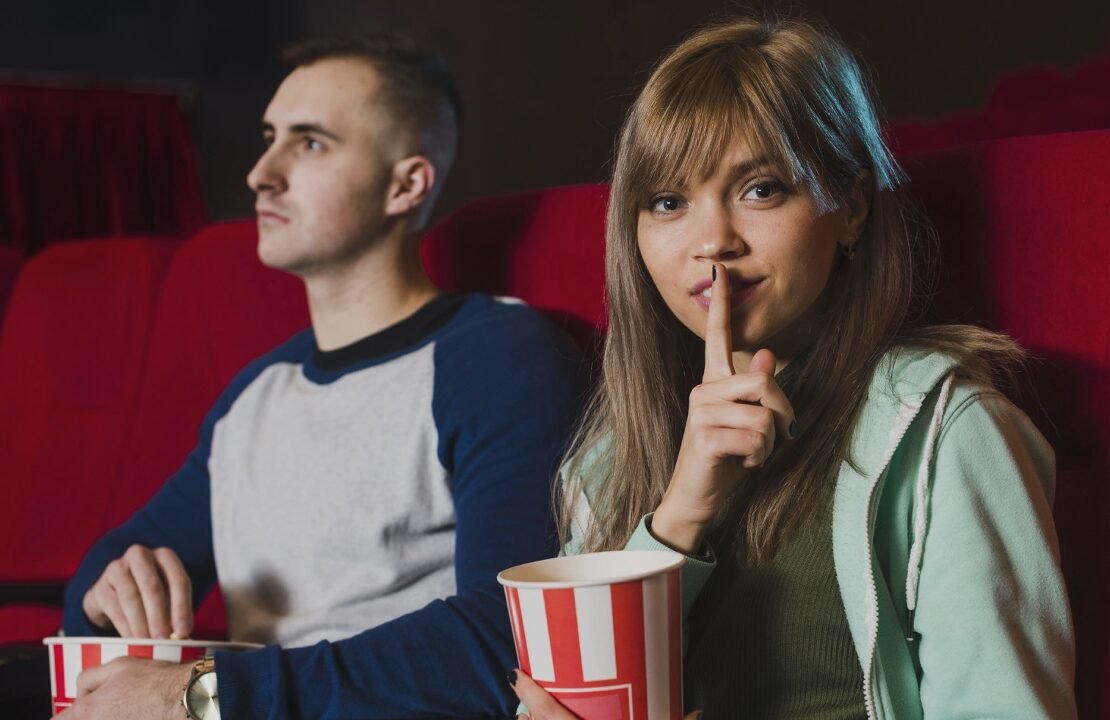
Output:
[[321, 184]]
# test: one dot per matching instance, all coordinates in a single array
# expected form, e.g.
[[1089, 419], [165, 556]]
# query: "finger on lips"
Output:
[[718, 329]]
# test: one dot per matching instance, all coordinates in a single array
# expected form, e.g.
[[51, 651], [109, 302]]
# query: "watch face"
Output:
[[200, 698]]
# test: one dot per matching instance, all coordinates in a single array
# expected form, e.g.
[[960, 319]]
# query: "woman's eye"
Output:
[[665, 204], [764, 190]]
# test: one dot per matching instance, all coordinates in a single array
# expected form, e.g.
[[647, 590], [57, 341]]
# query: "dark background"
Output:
[[545, 83]]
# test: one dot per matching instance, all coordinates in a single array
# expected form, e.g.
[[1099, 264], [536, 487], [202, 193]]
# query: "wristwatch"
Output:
[[200, 699]]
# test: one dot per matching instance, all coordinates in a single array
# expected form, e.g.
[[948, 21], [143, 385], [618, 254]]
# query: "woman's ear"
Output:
[[411, 184], [858, 206]]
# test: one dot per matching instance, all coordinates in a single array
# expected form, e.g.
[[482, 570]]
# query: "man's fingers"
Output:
[[718, 328], [541, 706], [122, 583], [108, 603], [152, 591], [180, 591]]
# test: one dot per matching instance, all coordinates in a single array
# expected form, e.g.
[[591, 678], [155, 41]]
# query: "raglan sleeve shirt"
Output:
[[506, 394]]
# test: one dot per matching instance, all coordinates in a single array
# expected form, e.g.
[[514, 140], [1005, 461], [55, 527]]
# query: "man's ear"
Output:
[[858, 206], [410, 185]]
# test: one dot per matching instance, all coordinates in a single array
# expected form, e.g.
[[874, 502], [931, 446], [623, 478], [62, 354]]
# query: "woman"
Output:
[[868, 521]]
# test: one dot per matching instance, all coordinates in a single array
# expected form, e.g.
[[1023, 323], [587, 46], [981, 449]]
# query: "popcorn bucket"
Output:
[[602, 632], [70, 655]]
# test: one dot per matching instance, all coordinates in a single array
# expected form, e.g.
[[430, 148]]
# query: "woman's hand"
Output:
[[544, 707], [733, 422]]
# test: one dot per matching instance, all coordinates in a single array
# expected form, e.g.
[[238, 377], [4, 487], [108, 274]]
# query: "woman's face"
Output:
[[778, 248]]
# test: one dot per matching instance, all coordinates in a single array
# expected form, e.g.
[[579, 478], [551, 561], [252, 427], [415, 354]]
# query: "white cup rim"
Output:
[[592, 569], [166, 642]]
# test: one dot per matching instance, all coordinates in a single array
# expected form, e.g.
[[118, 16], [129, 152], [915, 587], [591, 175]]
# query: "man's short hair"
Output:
[[417, 87]]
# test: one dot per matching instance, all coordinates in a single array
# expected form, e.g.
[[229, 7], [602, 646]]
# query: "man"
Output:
[[356, 490]]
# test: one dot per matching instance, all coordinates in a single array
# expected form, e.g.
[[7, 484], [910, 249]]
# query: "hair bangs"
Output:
[[689, 117]]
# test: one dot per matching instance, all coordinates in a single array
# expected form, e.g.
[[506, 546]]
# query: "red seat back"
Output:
[[220, 309], [72, 352], [1023, 226], [546, 247], [10, 260]]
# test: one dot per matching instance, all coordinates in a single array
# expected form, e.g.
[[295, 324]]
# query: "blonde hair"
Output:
[[796, 95]]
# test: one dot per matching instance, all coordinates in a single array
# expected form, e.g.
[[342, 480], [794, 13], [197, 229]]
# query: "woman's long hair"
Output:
[[795, 94]]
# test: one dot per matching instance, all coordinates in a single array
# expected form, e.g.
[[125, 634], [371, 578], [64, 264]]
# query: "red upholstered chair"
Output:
[[1024, 231], [1027, 102], [220, 309], [10, 260], [72, 351], [546, 247]]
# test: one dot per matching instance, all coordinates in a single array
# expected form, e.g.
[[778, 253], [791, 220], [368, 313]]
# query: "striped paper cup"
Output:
[[70, 655], [602, 632]]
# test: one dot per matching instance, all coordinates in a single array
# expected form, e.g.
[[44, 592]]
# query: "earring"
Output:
[[848, 252]]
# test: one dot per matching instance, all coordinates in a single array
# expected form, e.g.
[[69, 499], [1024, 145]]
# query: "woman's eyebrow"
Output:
[[746, 167]]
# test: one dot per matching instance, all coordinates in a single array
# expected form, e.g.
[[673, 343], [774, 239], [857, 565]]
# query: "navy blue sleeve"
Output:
[[179, 516], [507, 393]]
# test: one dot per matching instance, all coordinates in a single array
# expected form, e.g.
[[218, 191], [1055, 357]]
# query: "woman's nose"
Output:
[[718, 237]]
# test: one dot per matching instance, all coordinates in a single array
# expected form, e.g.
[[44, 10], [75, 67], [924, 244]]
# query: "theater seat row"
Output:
[[1031, 101], [112, 352]]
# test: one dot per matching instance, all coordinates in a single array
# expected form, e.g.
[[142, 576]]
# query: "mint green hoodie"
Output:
[[943, 532]]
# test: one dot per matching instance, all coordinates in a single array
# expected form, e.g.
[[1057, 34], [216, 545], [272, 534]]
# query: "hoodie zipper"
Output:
[[905, 418]]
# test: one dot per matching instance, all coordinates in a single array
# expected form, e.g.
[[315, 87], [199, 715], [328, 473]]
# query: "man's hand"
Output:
[[144, 594], [130, 689]]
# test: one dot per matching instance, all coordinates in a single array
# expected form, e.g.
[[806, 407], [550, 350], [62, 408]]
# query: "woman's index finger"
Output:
[[718, 329]]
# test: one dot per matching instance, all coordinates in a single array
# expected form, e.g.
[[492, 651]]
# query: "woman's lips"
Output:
[[741, 294]]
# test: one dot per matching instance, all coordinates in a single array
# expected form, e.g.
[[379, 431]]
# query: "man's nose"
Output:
[[268, 173]]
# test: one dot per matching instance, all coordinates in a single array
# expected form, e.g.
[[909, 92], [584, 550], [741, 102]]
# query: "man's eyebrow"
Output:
[[303, 129]]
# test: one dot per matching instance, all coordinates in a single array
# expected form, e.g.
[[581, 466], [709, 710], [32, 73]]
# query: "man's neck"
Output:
[[367, 295]]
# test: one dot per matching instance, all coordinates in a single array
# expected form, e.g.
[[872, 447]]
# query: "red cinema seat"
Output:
[[1024, 234], [546, 247], [10, 260], [220, 309], [72, 352]]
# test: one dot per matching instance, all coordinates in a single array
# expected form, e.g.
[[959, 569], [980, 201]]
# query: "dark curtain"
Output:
[[79, 161]]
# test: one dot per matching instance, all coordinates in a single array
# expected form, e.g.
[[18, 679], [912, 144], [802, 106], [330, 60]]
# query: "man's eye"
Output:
[[312, 143], [665, 204], [267, 140]]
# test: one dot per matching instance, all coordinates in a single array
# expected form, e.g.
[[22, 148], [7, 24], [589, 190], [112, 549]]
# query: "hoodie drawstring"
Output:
[[921, 496]]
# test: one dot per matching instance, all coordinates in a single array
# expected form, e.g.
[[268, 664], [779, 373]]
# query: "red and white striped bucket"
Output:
[[602, 632], [70, 655]]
